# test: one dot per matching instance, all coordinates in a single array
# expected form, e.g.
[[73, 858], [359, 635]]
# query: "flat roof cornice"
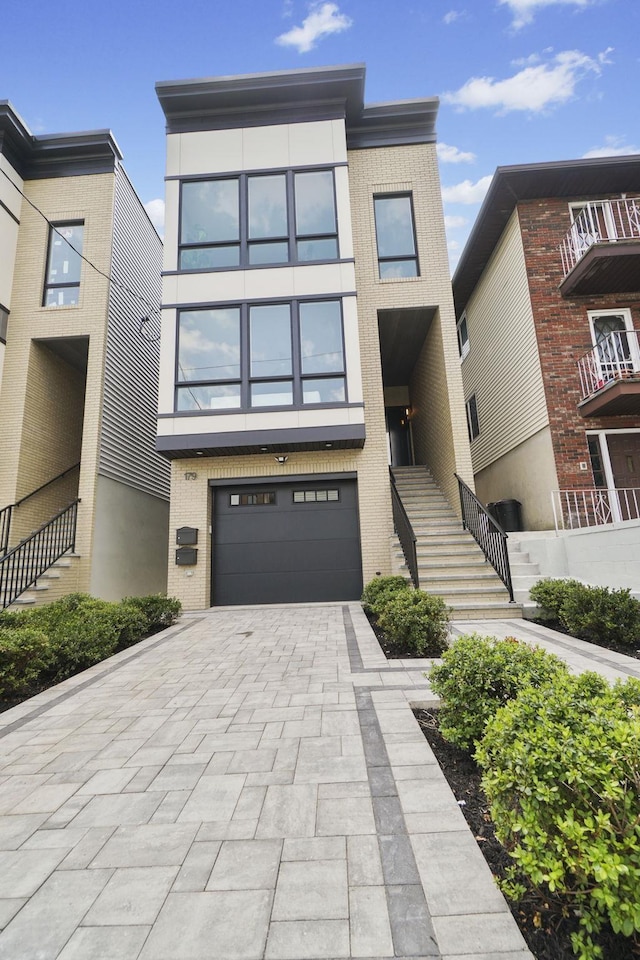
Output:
[[292, 96], [571, 179], [55, 155]]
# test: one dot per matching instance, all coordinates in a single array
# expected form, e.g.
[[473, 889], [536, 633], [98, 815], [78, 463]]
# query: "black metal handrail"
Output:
[[403, 528], [488, 534], [22, 566], [7, 512]]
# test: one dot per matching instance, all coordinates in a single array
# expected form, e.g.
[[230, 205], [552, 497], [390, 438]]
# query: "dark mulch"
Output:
[[546, 924]]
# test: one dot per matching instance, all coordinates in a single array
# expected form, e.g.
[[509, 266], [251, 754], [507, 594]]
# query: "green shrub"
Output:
[[82, 630], [478, 675], [379, 592], [416, 620], [601, 615], [12, 619], [130, 623], [25, 654], [159, 611], [562, 774], [550, 594]]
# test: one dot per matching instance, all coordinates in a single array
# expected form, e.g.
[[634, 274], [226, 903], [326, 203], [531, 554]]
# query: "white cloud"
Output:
[[323, 20], [467, 191], [524, 10], [449, 154], [451, 222], [534, 88], [451, 17], [613, 147], [155, 212]]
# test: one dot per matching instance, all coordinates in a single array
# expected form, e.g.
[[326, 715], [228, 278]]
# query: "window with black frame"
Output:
[[264, 219], [251, 356], [395, 236], [64, 263]]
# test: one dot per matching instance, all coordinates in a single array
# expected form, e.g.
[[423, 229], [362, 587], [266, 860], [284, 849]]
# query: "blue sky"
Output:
[[520, 81]]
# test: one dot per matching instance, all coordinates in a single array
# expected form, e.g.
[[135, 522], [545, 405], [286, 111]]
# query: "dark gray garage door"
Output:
[[286, 543]]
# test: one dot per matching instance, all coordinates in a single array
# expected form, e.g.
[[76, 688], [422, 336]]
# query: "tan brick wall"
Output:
[[440, 432], [22, 463], [191, 506]]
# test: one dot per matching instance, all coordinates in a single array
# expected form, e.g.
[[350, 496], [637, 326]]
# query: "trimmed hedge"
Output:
[[379, 592], [71, 634], [478, 675], [562, 774], [416, 620], [25, 654], [596, 614]]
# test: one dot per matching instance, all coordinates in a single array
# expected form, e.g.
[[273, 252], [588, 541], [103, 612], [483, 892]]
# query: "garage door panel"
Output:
[[288, 556], [287, 551], [312, 525], [297, 587]]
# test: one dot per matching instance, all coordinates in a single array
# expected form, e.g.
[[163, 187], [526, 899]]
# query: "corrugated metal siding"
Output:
[[503, 364], [127, 451]]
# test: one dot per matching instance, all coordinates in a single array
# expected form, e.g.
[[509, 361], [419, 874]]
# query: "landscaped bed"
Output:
[[45, 645], [546, 765]]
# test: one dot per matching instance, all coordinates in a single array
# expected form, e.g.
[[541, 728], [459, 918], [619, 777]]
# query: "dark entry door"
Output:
[[624, 453], [399, 436], [286, 543]]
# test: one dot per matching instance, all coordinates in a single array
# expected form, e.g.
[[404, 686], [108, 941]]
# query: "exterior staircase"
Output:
[[450, 562], [60, 578], [524, 574]]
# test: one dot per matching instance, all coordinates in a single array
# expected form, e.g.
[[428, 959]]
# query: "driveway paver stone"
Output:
[[249, 784]]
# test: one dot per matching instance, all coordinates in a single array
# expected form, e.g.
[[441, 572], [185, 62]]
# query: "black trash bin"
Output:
[[508, 513]]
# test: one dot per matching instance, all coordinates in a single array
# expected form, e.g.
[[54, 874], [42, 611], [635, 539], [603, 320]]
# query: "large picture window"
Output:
[[258, 219], [254, 356], [395, 235], [62, 281]]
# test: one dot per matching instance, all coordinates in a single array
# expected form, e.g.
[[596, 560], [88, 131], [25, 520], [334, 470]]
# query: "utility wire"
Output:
[[116, 283]]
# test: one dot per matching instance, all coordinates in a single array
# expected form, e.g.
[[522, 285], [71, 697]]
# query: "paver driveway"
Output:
[[251, 783]]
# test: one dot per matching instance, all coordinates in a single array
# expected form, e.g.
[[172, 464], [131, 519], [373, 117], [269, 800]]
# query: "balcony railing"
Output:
[[578, 509], [615, 357], [600, 221]]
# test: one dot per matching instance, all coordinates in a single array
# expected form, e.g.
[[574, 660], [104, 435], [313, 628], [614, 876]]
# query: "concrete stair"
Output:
[[524, 575], [61, 578], [450, 562]]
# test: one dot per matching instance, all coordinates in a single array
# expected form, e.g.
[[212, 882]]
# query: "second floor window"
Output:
[[255, 220], [64, 262], [247, 356], [463, 337], [395, 235]]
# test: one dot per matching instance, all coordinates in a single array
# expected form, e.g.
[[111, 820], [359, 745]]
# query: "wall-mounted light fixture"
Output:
[[281, 459]]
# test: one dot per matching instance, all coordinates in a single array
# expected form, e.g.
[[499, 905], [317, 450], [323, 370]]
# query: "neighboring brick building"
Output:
[[547, 296], [308, 332], [79, 381]]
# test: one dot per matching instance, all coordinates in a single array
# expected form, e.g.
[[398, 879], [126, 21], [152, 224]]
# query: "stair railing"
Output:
[[488, 534], [21, 567], [6, 513], [404, 530]]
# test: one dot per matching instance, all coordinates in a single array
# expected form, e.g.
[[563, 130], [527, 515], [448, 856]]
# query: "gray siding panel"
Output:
[[127, 451]]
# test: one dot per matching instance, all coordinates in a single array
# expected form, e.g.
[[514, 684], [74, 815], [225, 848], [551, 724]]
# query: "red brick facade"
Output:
[[563, 334]]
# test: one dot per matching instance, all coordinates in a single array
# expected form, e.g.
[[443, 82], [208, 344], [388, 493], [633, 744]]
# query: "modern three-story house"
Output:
[[308, 332]]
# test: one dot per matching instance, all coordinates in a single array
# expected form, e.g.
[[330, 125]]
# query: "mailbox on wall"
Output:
[[186, 556], [187, 536]]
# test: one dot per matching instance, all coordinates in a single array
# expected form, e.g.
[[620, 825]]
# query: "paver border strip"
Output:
[[121, 659]]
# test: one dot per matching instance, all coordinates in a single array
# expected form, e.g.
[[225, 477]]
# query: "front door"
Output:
[[624, 455], [399, 433]]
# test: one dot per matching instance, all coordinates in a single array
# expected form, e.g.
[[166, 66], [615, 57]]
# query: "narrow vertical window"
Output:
[[4, 318], [395, 235], [316, 228], [64, 262], [463, 337], [473, 425]]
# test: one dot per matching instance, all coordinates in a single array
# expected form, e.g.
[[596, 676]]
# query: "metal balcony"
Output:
[[601, 251], [610, 376]]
